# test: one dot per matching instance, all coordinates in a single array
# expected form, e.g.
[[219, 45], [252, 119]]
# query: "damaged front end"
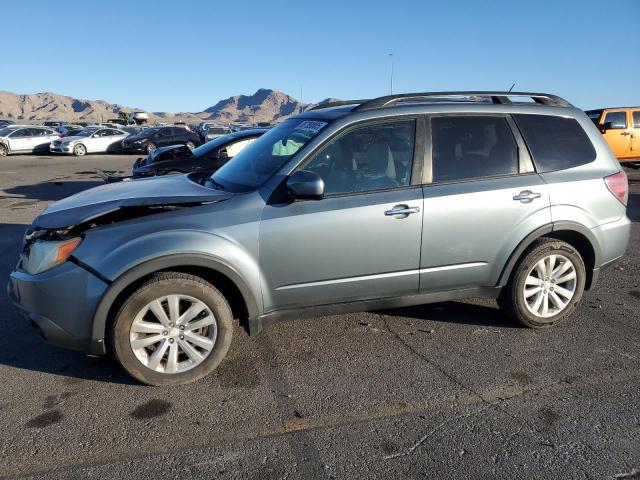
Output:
[[59, 230]]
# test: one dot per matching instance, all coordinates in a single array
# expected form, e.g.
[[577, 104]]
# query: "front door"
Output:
[[483, 195], [362, 240], [618, 135]]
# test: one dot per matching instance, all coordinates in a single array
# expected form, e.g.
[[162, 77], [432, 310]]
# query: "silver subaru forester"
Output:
[[357, 205]]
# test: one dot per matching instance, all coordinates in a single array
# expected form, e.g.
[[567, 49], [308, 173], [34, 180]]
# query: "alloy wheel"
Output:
[[550, 285], [173, 334]]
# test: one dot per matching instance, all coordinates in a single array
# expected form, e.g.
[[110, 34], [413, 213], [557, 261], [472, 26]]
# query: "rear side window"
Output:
[[467, 147], [636, 119], [555, 143], [616, 119]]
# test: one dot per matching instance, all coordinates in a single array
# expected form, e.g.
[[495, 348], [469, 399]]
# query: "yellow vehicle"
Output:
[[621, 130]]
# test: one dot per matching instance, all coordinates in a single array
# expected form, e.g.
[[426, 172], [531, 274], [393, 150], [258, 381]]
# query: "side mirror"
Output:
[[606, 126], [304, 184]]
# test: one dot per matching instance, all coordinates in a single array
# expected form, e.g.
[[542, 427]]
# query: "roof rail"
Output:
[[503, 98], [338, 103]]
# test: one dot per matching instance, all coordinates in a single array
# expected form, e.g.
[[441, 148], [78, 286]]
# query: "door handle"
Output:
[[624, 133], [527, 196], [401, 210]]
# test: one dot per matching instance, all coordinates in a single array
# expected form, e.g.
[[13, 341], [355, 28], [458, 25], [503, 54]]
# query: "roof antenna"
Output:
[[512, 87]]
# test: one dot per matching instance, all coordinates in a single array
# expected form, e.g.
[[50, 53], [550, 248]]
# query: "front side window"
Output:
[[616, 119], [468, 147], [22, 133], [555, 143], [263, 158], [370, 157]]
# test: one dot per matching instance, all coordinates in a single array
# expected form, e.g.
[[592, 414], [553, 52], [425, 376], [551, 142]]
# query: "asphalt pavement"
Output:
[[449, 390]]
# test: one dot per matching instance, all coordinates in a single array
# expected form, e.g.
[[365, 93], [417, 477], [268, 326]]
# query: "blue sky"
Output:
[[183, 55]]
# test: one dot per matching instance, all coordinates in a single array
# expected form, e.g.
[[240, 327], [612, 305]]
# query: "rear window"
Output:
[[555, 143]]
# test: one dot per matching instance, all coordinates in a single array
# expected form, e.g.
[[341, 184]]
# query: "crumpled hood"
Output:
[[98, 201]]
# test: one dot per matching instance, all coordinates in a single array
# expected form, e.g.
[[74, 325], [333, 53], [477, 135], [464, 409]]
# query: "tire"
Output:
[[4, 151], [79, 150], [191, 145], [151, 147], [529, 307], [132, 325]]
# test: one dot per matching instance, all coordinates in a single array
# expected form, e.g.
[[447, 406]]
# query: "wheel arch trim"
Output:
[[164, 263], [542, 231]]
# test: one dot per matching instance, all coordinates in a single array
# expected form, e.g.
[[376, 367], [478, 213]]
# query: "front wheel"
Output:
[[191, 145], [79, 150], [151, 147], [546, 285], [174, 329], [4, 151]]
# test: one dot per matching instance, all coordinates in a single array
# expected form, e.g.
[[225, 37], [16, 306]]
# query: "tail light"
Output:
[[618, 185]]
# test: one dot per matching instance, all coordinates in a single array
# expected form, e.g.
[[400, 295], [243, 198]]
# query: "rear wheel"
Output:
[[191, 145], [79, 150], [4, 151], [546, 285], [174, 329]]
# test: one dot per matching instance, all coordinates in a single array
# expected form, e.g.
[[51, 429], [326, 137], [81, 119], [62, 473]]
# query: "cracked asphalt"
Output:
[[449, 390]]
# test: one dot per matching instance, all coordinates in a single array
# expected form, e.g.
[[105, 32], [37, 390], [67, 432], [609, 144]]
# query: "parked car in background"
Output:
[[214, 131], [178, 159], [621, 129], [364, 205], [90, 140], [151, 138], [54, 123], [26, 139], [5, 123]]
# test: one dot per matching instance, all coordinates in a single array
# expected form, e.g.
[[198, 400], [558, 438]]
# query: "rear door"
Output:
[[618, 135], [481, 198], [350, 245]]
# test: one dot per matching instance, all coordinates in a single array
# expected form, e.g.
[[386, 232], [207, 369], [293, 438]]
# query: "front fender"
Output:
[[140, 256]]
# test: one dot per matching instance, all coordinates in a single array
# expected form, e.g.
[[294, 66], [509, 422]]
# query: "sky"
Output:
[[184, 55]]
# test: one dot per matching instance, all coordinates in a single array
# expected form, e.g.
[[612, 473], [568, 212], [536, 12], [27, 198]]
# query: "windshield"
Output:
[[206, 148], [264, 157], [87, 132]]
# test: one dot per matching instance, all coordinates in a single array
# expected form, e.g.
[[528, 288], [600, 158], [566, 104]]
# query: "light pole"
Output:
[[391, 77]]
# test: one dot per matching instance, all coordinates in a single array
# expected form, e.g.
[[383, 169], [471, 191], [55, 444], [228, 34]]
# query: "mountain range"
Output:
[[265, 105]]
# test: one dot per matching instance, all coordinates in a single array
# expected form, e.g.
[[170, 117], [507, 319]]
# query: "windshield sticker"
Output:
[[311, 126]]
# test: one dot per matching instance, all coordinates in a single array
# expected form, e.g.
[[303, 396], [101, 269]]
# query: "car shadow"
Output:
[[456, 313], [20, 345], [52, 190]]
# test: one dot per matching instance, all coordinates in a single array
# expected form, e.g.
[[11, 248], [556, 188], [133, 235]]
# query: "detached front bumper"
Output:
[[60, 304]]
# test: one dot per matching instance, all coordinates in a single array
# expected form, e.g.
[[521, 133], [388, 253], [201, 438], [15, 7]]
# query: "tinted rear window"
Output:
[[555, 143]]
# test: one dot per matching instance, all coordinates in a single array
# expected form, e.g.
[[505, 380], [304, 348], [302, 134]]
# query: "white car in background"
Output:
[[90, 140], [26, 139]]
